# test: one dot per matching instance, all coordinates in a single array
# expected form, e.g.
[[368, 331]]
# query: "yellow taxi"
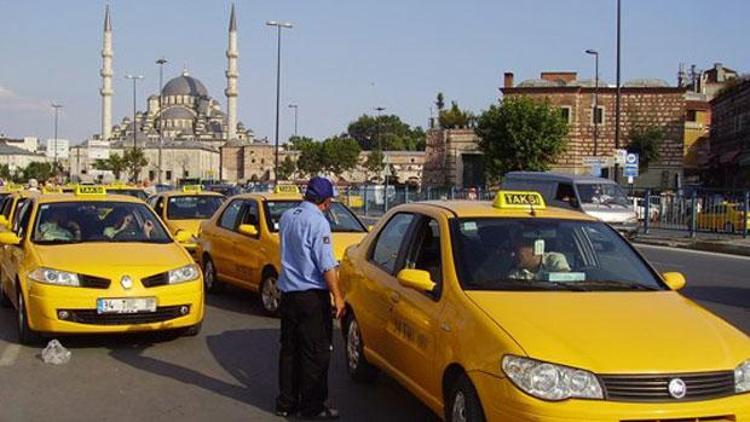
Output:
[[185, 210], [8, 188], [725, 216], [123, 189], [514, 311], [239, 245], [92, 263]]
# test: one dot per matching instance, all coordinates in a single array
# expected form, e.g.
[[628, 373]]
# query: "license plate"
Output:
[[126, 305]]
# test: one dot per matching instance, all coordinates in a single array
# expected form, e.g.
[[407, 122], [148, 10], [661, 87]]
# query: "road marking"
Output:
[[10, 354], [693, 251]]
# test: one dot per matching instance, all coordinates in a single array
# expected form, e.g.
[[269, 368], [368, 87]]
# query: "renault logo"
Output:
[[127, 283], [677, 388]]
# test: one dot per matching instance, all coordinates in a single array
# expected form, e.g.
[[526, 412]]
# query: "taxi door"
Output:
[[249, 250], [221, 239], [15, 255], [417, 314]]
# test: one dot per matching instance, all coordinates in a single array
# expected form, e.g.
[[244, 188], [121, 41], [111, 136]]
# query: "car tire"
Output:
[[463, 403], [210, 281], [26, 335], [270, 296], [192, 331], [357, 366]]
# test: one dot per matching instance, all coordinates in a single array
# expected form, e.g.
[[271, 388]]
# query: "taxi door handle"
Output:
[[395, 297]]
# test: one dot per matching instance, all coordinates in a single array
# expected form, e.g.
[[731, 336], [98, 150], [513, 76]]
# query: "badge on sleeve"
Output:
[[327, 240]]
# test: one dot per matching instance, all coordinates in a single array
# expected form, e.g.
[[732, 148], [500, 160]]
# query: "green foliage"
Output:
[[521, 134], [287, 167], [340, 154], [440, 102], [375, 162], [115, 163], [388, 131], [134, 160], [296, 143], [455, 118], [38, 170], [310, 161], [6, 174], [646, 141]]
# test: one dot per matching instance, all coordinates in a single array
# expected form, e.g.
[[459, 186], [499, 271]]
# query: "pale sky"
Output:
[[343, 58]]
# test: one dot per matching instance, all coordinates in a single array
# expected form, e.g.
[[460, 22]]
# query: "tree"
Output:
[[310, 161], [6, 174], [455, 118], [115, 163], [375, 162], [440, 102], [520, 134], [134, 160], [386, 132], [646, 142], [287, 168], [340, 154], [296, 143], [38, 171]]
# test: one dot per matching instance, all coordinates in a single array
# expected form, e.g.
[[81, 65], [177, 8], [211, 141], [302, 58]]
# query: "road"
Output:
[[228, 373]]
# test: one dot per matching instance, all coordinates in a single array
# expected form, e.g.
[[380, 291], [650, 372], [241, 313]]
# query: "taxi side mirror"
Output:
[[674, 280], [9, 238], [416, 279], [183, 236], [369, 228], [248, 229], [4, 221]]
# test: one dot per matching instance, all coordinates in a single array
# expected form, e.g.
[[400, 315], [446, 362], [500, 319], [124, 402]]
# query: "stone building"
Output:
[[452, 158], [730, 137], [643, 103], [17, 158]]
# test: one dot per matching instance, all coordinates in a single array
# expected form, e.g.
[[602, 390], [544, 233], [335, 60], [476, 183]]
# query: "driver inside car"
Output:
[[124, 222], [532, 262]]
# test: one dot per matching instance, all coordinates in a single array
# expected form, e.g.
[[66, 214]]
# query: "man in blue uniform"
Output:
[[308, 278]]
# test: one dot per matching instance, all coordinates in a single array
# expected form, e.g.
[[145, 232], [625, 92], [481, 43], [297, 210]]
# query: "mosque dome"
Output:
[[185, 85]]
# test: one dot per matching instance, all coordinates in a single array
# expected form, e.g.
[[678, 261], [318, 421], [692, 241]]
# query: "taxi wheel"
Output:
[[270, 296], [209, 276], [25, 334], [357, 365], [463, 402], [192, 331]]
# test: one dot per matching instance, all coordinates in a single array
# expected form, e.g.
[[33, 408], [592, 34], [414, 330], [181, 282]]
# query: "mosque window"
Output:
[[169, 174]]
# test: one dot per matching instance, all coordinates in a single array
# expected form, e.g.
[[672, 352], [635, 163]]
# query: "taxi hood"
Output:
[[110, 259], [342, 240], [616, 332], [192, 226]]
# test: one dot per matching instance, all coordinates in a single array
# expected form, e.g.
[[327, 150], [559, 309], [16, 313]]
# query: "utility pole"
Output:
[[135, 79], [384, 163], [161, 62], [596, 99], [57, 108], [279, 26], [617, 95], [296, 109]]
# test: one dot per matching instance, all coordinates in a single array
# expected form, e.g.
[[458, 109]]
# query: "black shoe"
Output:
[[328, 413]]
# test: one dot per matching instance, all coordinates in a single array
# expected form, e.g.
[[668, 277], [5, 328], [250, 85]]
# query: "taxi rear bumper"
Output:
[[502, 401], [71, 310]]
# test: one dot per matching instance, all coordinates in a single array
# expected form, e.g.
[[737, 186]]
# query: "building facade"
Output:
[[452, 158], [730, 137], [18, 158]]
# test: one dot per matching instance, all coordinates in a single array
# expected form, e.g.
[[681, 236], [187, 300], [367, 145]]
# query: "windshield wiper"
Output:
[[617, 284], [56, 242], [520, 284]]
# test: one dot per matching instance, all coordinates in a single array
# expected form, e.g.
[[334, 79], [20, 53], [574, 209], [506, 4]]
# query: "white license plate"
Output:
[[126, 305]]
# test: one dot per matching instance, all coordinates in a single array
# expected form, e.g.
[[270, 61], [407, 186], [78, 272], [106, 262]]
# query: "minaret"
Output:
[[106, 74], [231, 91]]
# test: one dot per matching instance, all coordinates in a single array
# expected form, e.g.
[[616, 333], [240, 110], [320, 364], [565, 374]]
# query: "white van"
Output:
[[595, 196]]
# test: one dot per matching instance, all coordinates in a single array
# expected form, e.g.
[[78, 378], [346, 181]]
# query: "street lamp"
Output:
[[296, 110], [279, 26], [135, 79], [596, 97], [57, 108], [161, 62]]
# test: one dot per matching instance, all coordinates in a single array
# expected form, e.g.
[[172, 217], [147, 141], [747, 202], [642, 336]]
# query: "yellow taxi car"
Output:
[[239, 245], [185, 210], [725, 216], [512, 311], [123, 189], [11, 204], [92, 263]]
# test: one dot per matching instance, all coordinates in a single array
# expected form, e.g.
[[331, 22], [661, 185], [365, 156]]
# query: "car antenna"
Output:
[[532, 211]]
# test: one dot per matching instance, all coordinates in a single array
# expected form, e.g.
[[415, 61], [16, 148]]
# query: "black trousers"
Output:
[[306, 336]]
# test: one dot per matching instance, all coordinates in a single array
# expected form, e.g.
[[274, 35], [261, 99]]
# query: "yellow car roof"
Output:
[[462, 208], [66, 197], [173, 193], [271, 196]]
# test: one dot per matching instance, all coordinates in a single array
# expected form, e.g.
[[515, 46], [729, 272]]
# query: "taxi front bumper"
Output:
[[45, 302], [502, 401]]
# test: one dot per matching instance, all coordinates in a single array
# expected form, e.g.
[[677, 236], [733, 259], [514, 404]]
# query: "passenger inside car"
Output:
[[532, 261], [56, 225]]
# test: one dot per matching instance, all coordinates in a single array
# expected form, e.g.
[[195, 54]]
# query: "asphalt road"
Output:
[[228, 373]]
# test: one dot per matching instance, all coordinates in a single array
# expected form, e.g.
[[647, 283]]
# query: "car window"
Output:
[[425, 251], [388, 245], [6, 207], [565, 193], [251, 213], [159, 207], [229, 217], [194, 207], [22, 217], [274, 210], [342, 220]]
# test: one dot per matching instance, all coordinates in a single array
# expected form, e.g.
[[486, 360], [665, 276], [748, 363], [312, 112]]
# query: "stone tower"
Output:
[[232, 74], [106, 74]]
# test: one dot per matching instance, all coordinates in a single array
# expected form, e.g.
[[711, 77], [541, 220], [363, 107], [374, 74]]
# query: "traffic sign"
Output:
[[631, 165]]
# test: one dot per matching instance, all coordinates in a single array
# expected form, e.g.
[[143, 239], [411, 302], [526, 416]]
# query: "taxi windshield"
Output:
[[601, 194], [194, 207], [135, 193], [547, 254], [97, 221], [341, 218]]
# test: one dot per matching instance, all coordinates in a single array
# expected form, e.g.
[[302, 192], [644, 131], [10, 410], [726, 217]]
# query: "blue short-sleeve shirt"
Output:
[[306, 248]]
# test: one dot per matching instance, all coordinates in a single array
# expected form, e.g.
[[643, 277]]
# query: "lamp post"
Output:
[[161, 62], [279, 26], [617, 93], [296, 110], [135, 79], [380, 110], [596, 98], [57, 108]]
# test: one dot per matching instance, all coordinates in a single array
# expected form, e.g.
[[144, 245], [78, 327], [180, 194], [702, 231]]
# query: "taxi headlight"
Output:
[[549, 381], [742, 377], [60, 278], [183, 274]]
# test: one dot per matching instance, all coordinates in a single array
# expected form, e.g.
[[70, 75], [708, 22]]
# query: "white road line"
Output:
[[10, 354], [693, 251]]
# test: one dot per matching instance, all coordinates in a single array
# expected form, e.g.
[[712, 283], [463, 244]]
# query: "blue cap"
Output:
[[320, 187]]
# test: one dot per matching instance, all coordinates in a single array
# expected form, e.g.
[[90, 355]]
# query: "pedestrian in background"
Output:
[[309, 276]]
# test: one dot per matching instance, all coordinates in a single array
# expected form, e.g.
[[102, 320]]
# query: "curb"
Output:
[[697, 245]]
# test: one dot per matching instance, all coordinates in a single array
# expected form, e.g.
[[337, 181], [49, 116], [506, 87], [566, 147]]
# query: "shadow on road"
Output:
[[726, 295]]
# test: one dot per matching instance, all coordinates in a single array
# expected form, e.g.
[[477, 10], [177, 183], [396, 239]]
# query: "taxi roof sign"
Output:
[[192, 188], [89, 190], [506, 199], [52, 189], [289, 189]]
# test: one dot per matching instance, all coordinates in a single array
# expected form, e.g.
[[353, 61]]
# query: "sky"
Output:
[[343, 58]]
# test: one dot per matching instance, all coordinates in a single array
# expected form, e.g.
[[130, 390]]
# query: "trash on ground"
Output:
[[55, 353]]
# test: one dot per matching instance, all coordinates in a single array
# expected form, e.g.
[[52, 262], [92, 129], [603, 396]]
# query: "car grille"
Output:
[[93, 282], [90, 316], [699, 386], [161, 279]]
